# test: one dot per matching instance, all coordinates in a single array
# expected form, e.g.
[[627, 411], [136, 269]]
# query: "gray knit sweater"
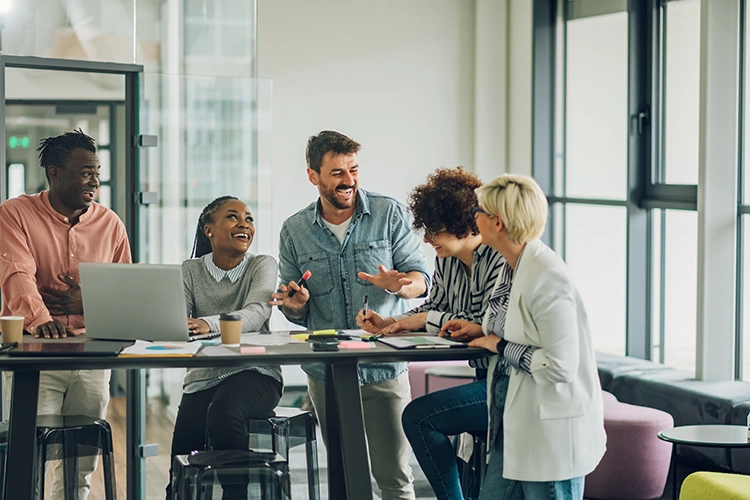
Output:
[[248, 296]]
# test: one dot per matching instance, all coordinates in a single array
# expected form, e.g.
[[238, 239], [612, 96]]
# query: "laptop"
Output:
[[135, 302]]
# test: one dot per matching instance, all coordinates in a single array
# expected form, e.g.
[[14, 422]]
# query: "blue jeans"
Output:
[[428, 422], [496, 487]]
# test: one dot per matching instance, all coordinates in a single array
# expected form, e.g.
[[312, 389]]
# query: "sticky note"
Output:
[[356, 344], [252, 349], [324, 332]]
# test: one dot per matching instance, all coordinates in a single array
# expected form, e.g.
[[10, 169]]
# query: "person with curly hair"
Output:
[[465, 274]]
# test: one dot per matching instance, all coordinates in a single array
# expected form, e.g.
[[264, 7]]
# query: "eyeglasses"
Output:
[[430, 235], [475, 210]]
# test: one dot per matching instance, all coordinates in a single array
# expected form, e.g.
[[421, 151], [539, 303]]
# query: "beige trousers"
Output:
[[76, 392], [388, 447]]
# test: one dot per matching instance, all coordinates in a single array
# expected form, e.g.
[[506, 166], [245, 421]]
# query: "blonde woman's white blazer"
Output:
[[553, 426]]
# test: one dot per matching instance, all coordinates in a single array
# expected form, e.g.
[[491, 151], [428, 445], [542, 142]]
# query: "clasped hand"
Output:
[[63, 302]]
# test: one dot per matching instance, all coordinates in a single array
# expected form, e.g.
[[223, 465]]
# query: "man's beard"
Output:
[[330, 195]]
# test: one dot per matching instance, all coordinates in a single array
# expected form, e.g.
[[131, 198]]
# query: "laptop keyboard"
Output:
[[203, 336]]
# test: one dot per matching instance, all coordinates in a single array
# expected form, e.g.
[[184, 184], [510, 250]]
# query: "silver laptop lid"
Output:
[[133, 301]]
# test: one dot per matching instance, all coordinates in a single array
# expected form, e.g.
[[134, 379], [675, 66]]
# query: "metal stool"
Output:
[[459, 372], [290, 427], [471, 473], [243, 475], [66, 438]]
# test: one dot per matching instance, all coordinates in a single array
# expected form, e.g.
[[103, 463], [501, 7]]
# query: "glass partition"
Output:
[[88, 30], [213, 139]]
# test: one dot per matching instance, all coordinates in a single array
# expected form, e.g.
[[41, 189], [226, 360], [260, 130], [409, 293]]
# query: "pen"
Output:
[[365, 305], [302, 282]]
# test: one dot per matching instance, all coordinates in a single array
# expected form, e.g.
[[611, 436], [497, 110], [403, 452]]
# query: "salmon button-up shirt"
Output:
[[38, 244]]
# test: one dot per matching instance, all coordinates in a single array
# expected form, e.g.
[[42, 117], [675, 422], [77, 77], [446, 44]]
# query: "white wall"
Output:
[[396, 76]]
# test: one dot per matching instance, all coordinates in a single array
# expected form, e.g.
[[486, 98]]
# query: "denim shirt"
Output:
[[380, 233]]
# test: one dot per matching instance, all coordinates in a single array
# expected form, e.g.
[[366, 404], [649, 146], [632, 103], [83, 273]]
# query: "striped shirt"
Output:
[[515, 355], [457, 295]]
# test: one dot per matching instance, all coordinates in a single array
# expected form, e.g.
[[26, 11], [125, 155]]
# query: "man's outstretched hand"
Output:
[[390, 280]]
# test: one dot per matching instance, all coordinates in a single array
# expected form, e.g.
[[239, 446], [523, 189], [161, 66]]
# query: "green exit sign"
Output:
[[16, 142]]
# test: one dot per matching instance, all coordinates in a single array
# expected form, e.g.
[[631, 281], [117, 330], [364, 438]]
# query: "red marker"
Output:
[[302, 282]]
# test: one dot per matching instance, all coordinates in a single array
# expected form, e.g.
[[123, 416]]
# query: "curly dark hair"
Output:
[[57, 149], [328, 141], [201, 243], [444, 202]]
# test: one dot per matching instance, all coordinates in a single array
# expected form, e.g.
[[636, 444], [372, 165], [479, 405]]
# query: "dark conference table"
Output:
[[348, 469]]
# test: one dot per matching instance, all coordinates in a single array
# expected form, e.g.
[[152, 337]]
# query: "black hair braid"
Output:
[[201, 243]]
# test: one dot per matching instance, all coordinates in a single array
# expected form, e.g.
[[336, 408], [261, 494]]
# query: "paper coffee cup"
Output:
[[230, 326], [11, 328]]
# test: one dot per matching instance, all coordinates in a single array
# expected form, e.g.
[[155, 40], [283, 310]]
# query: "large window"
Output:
[[623, 173]]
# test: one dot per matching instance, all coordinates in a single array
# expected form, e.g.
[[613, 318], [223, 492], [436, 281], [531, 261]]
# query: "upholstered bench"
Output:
[[689, 401], [636, 463], [715, 486]]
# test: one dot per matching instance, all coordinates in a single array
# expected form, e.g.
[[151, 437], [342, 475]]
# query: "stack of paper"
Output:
[[143, 348]]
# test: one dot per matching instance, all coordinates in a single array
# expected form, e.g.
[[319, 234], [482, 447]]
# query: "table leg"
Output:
[[348, 467], [22, 436]]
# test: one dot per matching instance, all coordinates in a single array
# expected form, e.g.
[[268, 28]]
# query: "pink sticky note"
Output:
[[252, 349], [355, 344]]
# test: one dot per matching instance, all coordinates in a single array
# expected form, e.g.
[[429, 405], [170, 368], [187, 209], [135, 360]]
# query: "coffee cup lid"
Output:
[[229, 317]]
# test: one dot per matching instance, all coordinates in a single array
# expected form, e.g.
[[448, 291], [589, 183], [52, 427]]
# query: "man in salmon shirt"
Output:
[[43, 238]]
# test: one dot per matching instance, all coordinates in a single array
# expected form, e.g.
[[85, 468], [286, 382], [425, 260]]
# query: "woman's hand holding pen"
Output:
[[461, 330], [372, 322]]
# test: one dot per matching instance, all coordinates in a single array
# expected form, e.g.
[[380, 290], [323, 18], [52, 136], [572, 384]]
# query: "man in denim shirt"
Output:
[[356, 244]]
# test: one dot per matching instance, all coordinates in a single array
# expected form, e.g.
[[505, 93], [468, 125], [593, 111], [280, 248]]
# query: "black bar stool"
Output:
[[67, 438], [290, 427], [242, 475], [471, 473]]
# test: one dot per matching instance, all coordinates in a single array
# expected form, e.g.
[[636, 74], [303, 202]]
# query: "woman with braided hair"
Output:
[[223, 277]]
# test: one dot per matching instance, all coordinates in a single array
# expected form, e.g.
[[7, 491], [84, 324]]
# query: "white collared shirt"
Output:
[[218, 274]]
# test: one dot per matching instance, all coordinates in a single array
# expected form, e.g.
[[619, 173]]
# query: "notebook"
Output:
[[134, 302], [421, 342]]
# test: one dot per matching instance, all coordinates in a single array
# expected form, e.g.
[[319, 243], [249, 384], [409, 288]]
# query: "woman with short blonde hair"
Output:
[[520, 203], [549, 433]]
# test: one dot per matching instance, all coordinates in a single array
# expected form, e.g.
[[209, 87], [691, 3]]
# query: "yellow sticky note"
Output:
[[324, 332]]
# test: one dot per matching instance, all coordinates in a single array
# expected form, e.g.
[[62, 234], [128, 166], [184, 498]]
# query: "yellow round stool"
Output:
[[715, 486]]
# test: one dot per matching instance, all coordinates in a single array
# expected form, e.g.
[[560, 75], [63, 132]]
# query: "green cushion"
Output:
[[715, 486]]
